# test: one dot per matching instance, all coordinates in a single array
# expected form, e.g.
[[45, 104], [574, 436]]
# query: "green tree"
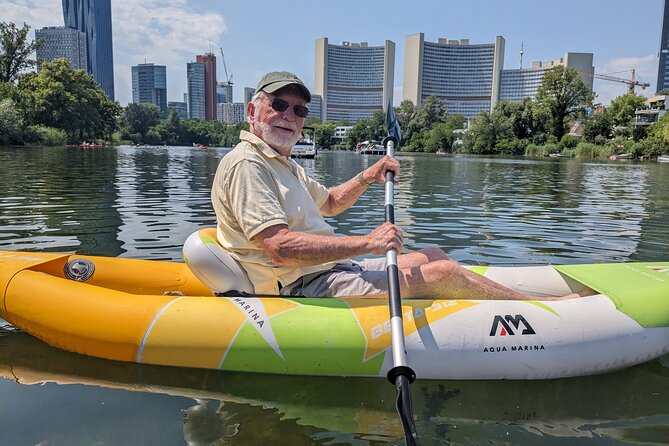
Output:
[[562, 94], [11, 123], [324, 133], [373, 128], [60, 97], [15, 51], [486, 131], [598, 124], [139, 118], [623, 107], [443, 135]]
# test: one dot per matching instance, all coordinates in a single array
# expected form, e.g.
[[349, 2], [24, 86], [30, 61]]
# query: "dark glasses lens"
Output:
[[281, 106]]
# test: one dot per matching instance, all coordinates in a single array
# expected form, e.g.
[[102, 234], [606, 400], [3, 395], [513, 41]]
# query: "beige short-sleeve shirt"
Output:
[[255, 188]]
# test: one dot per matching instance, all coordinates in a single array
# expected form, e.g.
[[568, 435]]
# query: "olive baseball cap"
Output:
[[276, 80]]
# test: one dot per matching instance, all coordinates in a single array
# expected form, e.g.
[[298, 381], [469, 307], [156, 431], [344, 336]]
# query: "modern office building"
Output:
[[180, 107], [210, 98], [520, 83], [93, 17], [467, 76], [149, 85], [316, 107], [231, 112], [195, 77], [663, 66], [61, 41], [353, 79], [223, 92]]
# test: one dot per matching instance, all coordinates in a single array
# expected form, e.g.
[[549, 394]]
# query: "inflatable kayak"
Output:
[[157, 312]]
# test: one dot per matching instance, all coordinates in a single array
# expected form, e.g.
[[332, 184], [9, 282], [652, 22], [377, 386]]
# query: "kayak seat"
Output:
[[213, 264]]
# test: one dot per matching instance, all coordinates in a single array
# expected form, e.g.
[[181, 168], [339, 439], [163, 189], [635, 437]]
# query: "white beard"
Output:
[[272, 138]]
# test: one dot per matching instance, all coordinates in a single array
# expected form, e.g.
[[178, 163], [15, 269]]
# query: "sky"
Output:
[[258, 36]]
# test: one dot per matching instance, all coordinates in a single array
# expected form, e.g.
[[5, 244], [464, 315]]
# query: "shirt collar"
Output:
[[264, 148]]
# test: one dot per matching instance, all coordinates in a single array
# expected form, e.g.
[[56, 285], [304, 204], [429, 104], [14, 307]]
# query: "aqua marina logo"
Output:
[[509, 325]]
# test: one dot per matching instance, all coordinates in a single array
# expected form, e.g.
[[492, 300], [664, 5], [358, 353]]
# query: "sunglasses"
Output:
[[280, 105]]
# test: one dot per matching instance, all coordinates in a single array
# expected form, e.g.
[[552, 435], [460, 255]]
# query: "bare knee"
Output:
[[434, 254]]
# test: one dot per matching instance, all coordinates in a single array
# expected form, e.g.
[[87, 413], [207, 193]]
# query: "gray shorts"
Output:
[[362, 278]]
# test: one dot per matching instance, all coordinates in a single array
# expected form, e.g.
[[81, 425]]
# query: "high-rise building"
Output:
[[195, 76], [180, 107], [149, 85], [520, 83], [61, 41], [93, 17], [231, 112], [353, 79], [223, 92], [316, 107], [467, 76], [210, 99], [663, 67]]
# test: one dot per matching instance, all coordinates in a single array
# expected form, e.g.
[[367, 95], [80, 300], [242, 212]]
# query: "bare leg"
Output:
[[447, 279]]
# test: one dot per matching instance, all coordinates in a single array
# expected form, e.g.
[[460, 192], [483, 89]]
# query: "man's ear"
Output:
[[251, 111]]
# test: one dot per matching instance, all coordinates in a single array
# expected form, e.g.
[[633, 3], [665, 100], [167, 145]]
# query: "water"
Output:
[[143, 203]]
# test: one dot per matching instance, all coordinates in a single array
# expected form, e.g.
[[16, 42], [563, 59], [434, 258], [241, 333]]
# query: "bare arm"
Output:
[[346, 194], [289, 248]]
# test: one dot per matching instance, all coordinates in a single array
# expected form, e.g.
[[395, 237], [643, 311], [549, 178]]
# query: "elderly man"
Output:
[[270, 216]]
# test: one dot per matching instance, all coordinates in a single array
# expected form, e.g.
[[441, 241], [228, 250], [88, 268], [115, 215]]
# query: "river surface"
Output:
[[143, 203]]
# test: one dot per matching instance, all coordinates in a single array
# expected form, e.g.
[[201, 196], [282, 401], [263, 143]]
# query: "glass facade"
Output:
[[663, 67], [521, 83], [180, 107], [462, 75], [149, 85], [61, 41], [93, 17], [355, 79], [196, 95]]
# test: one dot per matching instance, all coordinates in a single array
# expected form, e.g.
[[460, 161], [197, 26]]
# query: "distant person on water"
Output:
[[270, 216]]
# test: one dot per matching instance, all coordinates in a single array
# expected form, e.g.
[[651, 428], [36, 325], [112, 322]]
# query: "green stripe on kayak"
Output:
[[479, 269], [640, 290], [301, 334]]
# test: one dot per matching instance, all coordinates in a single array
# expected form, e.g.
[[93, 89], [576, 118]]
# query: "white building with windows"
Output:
[[522, 83], [353, 79], [466, 76], [231, 112]]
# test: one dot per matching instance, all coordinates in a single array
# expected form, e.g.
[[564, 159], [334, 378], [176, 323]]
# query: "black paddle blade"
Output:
[[405, 410]]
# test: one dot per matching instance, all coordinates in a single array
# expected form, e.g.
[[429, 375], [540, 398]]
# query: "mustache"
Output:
[[285, 124]]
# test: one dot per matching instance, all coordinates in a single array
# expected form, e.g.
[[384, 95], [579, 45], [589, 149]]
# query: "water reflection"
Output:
[[205, 406]]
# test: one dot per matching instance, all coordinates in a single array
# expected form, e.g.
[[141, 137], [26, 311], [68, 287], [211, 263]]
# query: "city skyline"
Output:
[[172, 32]]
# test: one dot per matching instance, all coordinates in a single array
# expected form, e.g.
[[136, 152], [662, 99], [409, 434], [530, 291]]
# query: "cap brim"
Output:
[[276, 86]]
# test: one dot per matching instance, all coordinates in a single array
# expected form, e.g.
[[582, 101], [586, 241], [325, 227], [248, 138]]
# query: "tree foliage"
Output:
[[11, 123], [61, 97], [623, 107], [139, 118], [15, 51], [562, 94]]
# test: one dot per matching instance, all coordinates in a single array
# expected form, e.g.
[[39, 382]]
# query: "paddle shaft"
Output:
[[401, 374], [394, 299]]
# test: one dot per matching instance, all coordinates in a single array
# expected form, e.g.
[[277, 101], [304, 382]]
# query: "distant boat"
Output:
[[620, 156], [305, 147], [370, 148], [663, 159], [560, 155], [200, 146]]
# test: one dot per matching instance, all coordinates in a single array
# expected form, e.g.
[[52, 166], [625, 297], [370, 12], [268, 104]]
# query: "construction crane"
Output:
[[228, 90], [631, 83]]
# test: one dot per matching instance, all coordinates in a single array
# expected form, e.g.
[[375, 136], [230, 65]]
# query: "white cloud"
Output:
[[621, 67]]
